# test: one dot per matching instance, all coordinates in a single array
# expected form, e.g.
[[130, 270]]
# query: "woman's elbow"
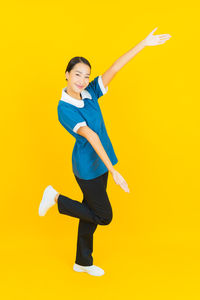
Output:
[[86, 132]]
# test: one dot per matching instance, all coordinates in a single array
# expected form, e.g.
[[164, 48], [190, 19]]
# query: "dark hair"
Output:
[[75, 60]]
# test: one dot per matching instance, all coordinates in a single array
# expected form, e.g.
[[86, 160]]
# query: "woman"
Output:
[[93, 154]]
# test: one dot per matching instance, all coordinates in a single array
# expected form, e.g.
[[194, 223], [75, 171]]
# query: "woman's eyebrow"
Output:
[[81, 73]]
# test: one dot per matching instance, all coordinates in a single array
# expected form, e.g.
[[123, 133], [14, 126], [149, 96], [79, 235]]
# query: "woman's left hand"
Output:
[[120, 180], [153, 40]]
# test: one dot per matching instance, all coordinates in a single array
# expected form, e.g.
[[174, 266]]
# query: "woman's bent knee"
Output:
[[106, 220]]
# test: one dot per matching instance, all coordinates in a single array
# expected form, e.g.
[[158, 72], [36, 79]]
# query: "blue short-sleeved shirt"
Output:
[[74, 113]]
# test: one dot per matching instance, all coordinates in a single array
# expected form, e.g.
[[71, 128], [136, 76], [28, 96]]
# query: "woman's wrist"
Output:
[[143, 43], [111, 170]]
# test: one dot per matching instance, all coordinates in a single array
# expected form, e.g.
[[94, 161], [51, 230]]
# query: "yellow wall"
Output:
[[151, 248]]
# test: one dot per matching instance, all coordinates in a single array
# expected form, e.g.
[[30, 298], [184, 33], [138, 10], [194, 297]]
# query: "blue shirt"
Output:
[[74, 113]]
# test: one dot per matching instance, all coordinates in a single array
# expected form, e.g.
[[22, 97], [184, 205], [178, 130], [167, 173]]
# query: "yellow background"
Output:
[[151, 248]]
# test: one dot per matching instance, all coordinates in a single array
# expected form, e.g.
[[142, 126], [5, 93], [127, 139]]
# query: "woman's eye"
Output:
[[85, 77]]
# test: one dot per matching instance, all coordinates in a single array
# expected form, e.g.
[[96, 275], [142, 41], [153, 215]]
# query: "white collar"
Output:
[[69, 99]]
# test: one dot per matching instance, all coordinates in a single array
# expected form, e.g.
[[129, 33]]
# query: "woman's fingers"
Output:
[[164, 35], [153, 40], [120, 181], [124, 185], [153, 30], [161, 42]]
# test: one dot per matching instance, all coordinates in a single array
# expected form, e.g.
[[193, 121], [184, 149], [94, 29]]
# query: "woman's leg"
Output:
[[96, 192], [85, 242], [75, 209], [96, 209]]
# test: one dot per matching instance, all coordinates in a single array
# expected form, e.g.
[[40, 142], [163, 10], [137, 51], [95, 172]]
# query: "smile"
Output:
[[80, 87]]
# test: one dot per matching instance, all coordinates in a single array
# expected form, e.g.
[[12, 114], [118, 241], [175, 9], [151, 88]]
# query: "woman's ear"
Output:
[[67, 75]]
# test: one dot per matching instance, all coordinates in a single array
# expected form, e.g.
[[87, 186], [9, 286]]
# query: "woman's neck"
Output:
[[77, 96]]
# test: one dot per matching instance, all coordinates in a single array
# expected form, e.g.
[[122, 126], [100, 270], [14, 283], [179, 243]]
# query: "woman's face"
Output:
[[78, 77]]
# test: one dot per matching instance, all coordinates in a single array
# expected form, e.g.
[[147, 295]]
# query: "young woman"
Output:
[[93, 154]]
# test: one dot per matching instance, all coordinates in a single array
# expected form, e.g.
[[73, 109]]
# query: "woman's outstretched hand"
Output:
[[120, 180], [153, 40]]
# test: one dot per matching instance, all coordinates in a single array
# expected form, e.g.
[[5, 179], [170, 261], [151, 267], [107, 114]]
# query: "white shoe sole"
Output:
[[44, 204], [78, 268]]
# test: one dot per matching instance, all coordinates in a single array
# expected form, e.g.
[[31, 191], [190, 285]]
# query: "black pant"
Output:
[[95, 209]]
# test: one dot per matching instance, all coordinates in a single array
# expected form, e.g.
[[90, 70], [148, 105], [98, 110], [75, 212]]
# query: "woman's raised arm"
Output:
[[150, 40]]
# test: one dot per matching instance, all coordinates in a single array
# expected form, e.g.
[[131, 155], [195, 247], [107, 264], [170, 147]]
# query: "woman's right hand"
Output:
[[120, 180]]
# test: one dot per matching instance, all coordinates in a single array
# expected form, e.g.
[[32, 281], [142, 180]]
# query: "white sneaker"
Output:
[[92, 270], [48, 200]]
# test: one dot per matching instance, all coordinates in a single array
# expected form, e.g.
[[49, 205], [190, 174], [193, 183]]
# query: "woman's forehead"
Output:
[[84, 73], [83, 69]]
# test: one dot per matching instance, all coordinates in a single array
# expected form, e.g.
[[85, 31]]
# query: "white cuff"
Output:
[[78, 125], [103, 89]]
